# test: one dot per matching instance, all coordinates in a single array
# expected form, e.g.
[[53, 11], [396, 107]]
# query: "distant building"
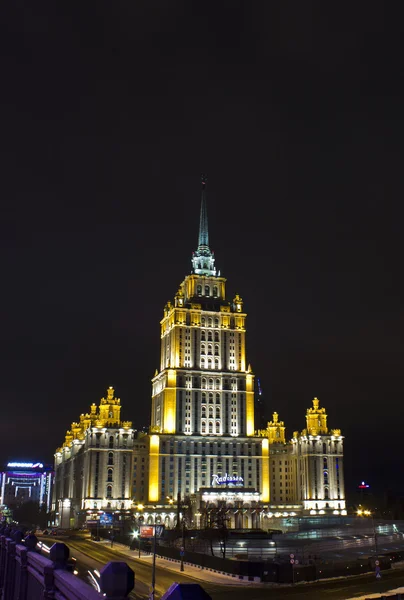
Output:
[[22, 482], [308, 470], [260, 418], [94, 467]]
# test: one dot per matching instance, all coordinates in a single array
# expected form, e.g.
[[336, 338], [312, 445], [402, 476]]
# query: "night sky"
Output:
[[110, 111]]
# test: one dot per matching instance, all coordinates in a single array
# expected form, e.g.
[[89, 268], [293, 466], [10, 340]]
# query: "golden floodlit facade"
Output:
[[203, 446], [203, 443], [94, 466], [202, 455]]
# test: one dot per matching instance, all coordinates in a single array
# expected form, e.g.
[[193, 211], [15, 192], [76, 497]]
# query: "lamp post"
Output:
[[375, 537], [183, 544]]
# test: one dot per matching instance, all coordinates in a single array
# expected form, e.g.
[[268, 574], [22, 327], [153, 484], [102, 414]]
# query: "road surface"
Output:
[[94, 555]]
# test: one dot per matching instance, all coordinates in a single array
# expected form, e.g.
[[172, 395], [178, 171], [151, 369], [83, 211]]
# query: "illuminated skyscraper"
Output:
[[202, 419]]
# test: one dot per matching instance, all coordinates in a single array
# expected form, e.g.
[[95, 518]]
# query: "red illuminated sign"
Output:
[[146, 531]]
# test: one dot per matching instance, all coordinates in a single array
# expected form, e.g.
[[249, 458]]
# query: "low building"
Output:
[[22, 482], [307, 472], [94, 466]]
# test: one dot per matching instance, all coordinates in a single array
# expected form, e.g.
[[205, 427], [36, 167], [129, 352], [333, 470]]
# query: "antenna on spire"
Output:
[[203, 259], [203, 221]]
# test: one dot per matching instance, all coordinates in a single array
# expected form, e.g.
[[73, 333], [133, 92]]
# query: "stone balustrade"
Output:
[[27, 575]]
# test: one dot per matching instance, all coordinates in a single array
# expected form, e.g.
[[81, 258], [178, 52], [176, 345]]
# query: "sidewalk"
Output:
[[190, 570]]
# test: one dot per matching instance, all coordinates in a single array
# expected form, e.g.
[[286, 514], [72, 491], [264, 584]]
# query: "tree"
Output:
[[30, 514], [216, 527]]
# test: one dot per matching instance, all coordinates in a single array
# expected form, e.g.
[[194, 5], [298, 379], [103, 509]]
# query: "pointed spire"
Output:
[[203, 260], [203, 239]]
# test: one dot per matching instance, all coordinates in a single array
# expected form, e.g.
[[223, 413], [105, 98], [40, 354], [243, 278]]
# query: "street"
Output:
[[94, 555]]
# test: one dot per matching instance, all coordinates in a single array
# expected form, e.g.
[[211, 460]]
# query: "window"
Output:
[[110, 472], [218, 384], [203, 383], [203, 336], [215, 290], [110, 458], [211, 384], [111, 441], [207, 290], [199, 290], [109, 491]]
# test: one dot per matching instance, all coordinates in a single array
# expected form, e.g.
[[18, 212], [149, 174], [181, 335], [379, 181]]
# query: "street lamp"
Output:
[[136, 536], [183, 544]]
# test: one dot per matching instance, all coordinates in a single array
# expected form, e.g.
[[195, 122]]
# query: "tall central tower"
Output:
[[202, 418], [203, 387]]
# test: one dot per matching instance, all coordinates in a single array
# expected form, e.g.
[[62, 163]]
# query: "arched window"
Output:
[[216, 336], [111, 441], [216, 363], [217, 398], [203, 335], [210, 336], [203, 397], [203, 348], [210, 398], [199, 290], [216, 349], [110, 472], [207, 290], [210, 427], [217, 412], [202, 363], [203, 426], [203, 320], [110, 458], [109, 505], [109, 491], [210, 322], [95, 505], [210, 349], [211, 412], [209, 363], [215, 291], [218, 384], [217, 427], [211, 384], [203, 383], [203, 412]]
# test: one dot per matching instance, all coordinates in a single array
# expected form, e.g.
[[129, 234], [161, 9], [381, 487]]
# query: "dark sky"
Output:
[[109, 113]]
